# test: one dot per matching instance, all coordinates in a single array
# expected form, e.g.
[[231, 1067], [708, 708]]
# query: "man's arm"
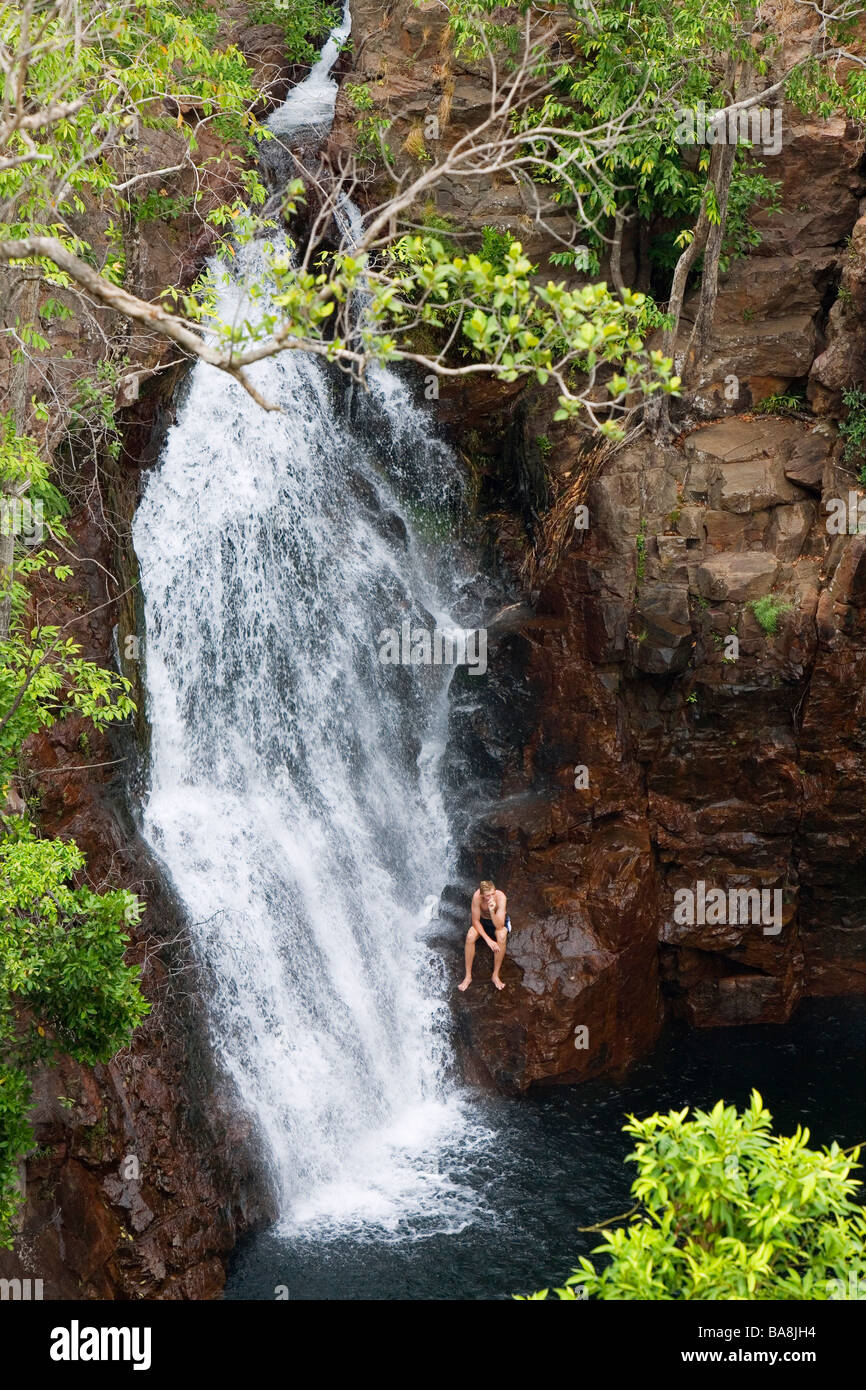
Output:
[[498, 914], [476, 919]]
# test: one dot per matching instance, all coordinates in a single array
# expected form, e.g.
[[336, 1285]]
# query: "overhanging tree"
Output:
[[595, 126], [79, 80], [729, 56]]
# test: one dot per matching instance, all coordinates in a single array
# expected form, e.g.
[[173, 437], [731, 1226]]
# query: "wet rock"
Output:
[[662, 614], [581, 983], [843, 361]]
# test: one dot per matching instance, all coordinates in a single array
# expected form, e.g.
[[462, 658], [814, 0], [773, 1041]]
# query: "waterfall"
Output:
[[294, 792], [310, 105]]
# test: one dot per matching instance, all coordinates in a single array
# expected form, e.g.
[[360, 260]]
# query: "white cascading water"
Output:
[[294, 795], [310, 105]]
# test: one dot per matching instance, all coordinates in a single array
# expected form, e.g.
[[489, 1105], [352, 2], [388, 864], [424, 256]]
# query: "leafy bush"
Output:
[[731, 1211], [768, 610], [305, 23], [370, 129], [158, 205], [64, 985], [782, 404], [495, 245], [127, 54], [853, 428]]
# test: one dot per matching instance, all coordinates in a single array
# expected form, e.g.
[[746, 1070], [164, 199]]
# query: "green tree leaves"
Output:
[[731, 1210], [91, 77], [64, 984]]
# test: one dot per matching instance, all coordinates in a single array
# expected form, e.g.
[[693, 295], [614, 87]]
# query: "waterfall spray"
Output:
[[294, 796]]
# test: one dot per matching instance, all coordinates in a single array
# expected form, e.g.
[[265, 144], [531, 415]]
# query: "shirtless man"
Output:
[[488, 918]]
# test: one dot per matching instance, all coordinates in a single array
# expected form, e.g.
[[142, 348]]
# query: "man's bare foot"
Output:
[[500, 984], [465, 983]]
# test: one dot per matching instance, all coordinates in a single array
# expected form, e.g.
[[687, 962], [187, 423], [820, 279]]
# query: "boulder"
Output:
[[808, 458], [662, 619], [736, 578]]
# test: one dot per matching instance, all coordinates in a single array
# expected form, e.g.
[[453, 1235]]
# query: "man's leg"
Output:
[[499, 956], [471, 938]]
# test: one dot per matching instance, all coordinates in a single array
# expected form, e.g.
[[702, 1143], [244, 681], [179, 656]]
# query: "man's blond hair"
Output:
[[486, 887]]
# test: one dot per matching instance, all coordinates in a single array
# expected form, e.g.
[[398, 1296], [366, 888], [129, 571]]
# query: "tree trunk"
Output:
[[616, 251], [710, 278], [27, 301], [657, 414], [644, 265]]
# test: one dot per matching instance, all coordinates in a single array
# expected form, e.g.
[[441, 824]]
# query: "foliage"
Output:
[[604, 140], [768, 610], [64, 986], [43, 678], [626, 54], [782, 403], [853, 428], [93, 428], [370, 129], [20, 459], [519, 326], [305, 24], [495, 245], [651, 317], [475, 33], [158, 205], [434, 227], [110, 66], [730, 1210], [62, 951], [502, 320]]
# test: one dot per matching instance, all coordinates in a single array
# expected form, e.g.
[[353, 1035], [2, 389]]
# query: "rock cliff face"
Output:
[[736, 764], [660, 754], [650, 753]]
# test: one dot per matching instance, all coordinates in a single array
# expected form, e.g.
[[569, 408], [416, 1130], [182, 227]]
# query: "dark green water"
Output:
[[555, 1162]]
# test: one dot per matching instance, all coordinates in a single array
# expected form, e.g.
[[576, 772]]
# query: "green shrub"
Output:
[[64, 985], [370, 129], [159, 206], [853, 428], [786, 403], [495, 245], [768, 610], [729, 1210], [305, 23]]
